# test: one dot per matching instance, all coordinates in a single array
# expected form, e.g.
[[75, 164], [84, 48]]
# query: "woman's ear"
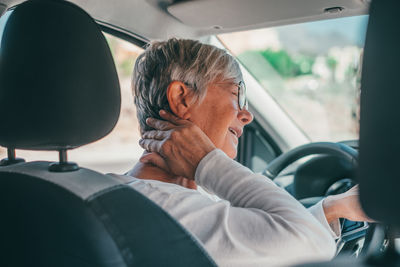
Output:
[[179, 98]]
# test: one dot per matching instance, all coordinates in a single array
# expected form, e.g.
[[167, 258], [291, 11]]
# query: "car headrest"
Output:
[[380, 115], [58, 83]]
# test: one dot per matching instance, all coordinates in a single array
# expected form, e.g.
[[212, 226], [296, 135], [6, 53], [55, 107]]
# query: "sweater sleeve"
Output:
[[259, 220], [318, 211]]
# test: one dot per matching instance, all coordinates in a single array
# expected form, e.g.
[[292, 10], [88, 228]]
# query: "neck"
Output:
[[151, 172]]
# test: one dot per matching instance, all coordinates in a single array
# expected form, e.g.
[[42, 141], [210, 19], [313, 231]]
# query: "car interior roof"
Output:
[[160, 19]]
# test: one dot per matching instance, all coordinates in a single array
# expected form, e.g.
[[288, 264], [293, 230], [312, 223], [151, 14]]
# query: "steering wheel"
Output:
[[356, 236]]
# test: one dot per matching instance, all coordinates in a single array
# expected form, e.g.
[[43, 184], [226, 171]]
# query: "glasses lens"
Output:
[[242, 95]]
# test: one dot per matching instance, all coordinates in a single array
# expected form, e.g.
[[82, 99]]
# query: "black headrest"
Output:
[[380, 114], [58, 84]]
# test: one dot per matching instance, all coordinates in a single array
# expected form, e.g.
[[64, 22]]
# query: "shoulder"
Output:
[[171, 197]]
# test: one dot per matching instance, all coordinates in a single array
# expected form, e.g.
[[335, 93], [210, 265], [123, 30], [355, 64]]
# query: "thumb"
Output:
[[156, 160]]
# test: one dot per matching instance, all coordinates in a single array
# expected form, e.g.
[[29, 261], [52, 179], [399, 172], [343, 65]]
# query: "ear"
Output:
[[179, 98]]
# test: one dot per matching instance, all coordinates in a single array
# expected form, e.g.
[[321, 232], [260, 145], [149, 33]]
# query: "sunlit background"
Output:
[[311, 70]]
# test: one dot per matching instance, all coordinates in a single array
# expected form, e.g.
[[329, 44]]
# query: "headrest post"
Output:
[[11, 159], [63, 156], [11, 153], [63, 165]]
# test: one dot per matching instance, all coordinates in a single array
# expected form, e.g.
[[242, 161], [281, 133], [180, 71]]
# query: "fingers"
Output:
[[170, 117], [157, 135], [356, 188], [353, 191], [156, 160], [159, 124], [151, 145], [170, 122]]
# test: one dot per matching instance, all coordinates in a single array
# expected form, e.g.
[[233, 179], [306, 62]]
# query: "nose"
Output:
[[245, 116]]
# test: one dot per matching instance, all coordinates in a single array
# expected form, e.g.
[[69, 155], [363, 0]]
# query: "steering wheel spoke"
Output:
[[352, 238]]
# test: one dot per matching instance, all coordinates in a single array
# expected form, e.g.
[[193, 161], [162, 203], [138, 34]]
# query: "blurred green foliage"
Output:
[[331, 63], [286, 65], [126, 66]]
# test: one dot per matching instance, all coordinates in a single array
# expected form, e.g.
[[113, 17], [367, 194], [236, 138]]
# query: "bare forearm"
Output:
[[330, 209], [345, 205]]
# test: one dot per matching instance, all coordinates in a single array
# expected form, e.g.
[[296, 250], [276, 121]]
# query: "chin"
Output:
[[232, 153], [230, 148]]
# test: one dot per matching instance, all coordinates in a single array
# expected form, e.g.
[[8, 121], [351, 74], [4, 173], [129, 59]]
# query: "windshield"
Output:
[[311, 69]]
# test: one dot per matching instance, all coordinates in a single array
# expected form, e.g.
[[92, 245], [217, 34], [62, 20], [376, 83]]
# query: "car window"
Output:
[[256, 149], [118, 151], [310, 69]]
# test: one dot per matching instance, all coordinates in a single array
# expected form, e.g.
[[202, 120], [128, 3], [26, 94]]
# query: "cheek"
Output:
[[225, 120], [215, 117], [228, 143], [216, 130], [211, 124]]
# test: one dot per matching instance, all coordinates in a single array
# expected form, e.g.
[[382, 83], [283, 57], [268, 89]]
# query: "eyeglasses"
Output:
[[242, 100]]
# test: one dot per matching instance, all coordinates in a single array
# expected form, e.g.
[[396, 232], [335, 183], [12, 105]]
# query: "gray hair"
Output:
[[188, 61]]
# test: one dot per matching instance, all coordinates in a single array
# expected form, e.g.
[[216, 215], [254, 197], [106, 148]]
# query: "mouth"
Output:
[[235, 131]]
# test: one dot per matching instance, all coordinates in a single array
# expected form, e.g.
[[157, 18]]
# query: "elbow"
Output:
[[316, 243], [309, 241]]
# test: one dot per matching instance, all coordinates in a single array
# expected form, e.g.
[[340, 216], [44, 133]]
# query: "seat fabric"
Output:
[[85, 218]]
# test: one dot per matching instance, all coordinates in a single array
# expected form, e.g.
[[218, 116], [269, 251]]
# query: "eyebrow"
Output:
[[229, 83]]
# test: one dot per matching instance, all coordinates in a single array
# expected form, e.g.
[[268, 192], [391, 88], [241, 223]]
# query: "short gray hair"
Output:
[[188, 61]]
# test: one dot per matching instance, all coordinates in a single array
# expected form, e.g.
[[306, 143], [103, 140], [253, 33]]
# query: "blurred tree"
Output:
[[289, 66], [126, 66], [305, 63], [281, 61], [332, 63]]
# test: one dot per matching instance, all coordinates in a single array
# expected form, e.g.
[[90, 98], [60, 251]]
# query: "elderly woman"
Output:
[[192, 108]]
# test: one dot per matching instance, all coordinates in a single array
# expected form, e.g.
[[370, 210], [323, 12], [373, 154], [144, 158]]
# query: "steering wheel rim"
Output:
[[328, 148]]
